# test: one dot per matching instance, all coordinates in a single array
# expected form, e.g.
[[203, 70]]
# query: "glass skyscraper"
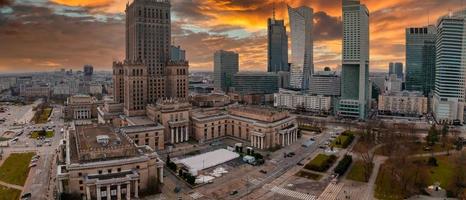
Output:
[[355, 94], [397, 69], [226, 64], [449, 92], [277, 46], [420, 59], [302, 66]]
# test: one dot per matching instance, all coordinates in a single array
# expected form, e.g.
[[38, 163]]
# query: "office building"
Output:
[[88, 70], [277, 45], [449, 92], [393, 84], [326, 83], [355, 93], [226, 64], [405, 103], [255, 82], [294, 100], [302, 63], [397, 69], [420, 59], [177, 53]]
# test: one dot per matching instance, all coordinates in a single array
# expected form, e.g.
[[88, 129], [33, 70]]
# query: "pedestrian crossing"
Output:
[[196, 195], [293, 194], [331, 192]]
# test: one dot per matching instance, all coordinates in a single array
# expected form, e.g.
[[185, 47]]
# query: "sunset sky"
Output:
[[40, 35]]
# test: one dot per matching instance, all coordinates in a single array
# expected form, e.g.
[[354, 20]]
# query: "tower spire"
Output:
[[273, 12]]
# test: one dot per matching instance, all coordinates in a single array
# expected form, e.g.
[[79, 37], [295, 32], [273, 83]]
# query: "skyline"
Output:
[[46, 35]]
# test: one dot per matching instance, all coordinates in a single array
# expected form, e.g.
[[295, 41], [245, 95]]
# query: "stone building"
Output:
[[177, 79], [403, 103], [262, 128], [98, 162], [80, 107]]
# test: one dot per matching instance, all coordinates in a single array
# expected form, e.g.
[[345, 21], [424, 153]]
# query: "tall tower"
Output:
[[148, 39], [420, 58], [302, 66], [277, 45], [355, 87], [449, 93], [226, 64]]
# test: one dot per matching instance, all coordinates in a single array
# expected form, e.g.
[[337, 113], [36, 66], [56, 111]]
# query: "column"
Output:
[[128, 191], [252, 139], [98, 192], [262, 142], [186, 133], [108, 192], [180, 130], [172, 135], [283, 139], [88, 193], [289, 138], [161, 174], [136, 189], [176, 135], [118, 192]]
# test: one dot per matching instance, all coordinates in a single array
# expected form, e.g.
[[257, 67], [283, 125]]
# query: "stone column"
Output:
[[98, 192], [136, 189], [262, 142], [128, 191], [186, 133], [118, 192], [161, 174], [252, 139], [283, 139], [172, 135], [108, 193], [176, 135], [88, 193], [180, 131]]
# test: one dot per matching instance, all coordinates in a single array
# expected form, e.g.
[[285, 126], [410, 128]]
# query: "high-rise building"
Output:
[[177, 53], [449, 92], [255, 82], [277, 45], [397, 69], [302, 64], [326, 83], [88, 70], [148, 39], [354, 102], [226, 64], [420, 59]]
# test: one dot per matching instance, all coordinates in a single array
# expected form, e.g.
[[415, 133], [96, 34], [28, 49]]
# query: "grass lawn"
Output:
[[15, 169], [42, 116], [383, 186], [356, 172], [443, 173], [310, 128], [321, 163], [414, 148], [47, 134], [9, 194], [309, 175]]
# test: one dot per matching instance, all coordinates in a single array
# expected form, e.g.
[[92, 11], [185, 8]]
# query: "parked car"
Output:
[[234, 193], [26, 196]]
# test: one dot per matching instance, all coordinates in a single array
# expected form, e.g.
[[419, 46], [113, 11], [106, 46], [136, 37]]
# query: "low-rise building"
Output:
[[100, 162], [326, 83], [210, 100], [81, 107], [263, 128], [35, 90], [403, 103], [296, 100]]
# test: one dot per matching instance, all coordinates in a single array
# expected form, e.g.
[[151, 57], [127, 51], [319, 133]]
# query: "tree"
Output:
[[432, 136], [367, 156]]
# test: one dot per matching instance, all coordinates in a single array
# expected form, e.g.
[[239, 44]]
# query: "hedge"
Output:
[[321, 163], [343, 165]]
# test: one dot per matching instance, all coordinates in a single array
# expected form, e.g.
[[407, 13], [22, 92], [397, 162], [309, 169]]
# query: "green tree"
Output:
[[432, 136]]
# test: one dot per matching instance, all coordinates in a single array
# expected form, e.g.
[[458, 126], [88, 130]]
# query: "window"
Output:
[[100, 171], [80, 182], [80, 174], [109, 171], [119, 169]]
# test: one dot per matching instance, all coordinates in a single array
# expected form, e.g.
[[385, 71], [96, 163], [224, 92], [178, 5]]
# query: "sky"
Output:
[[46, 35]]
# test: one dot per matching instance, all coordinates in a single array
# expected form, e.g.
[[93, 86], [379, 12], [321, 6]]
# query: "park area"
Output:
[[15, 168], [42, 114], [38, 134], [9, 194], [358, 172], [308, 175], [321, 163], [343, 140]]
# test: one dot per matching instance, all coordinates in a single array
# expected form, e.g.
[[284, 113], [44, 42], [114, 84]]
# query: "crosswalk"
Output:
[[331, 192], [196, 195], [293, 194]]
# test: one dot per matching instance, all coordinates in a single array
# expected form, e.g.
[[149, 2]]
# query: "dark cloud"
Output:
[[4, 3], [326, 27]]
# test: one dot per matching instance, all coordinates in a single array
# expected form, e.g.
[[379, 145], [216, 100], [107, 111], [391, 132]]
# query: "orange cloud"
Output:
[[85, 3]]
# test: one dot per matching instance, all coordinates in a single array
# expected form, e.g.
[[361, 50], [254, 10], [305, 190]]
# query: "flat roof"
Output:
[[208, 160], [140, 121]]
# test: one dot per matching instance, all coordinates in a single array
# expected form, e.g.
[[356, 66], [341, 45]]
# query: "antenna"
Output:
[[273, 12]]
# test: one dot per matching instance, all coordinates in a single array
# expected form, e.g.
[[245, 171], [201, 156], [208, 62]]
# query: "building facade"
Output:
[[404, 103], [298, 101], [302, 63], [255, 82], [326, 83], [177, 53], [277, 46], [262, 128], [393, 84], [81, 107], [449, 92], [226, 64], [177, 79], [420, 59], [98, 163], [397, 69], [355, 93]]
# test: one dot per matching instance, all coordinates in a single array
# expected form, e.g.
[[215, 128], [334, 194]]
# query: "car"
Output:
[[36, 157], [233, 192], [322, 146], [32, 165], [292, 153], [312, 139], [300, 164], [263, 171]]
